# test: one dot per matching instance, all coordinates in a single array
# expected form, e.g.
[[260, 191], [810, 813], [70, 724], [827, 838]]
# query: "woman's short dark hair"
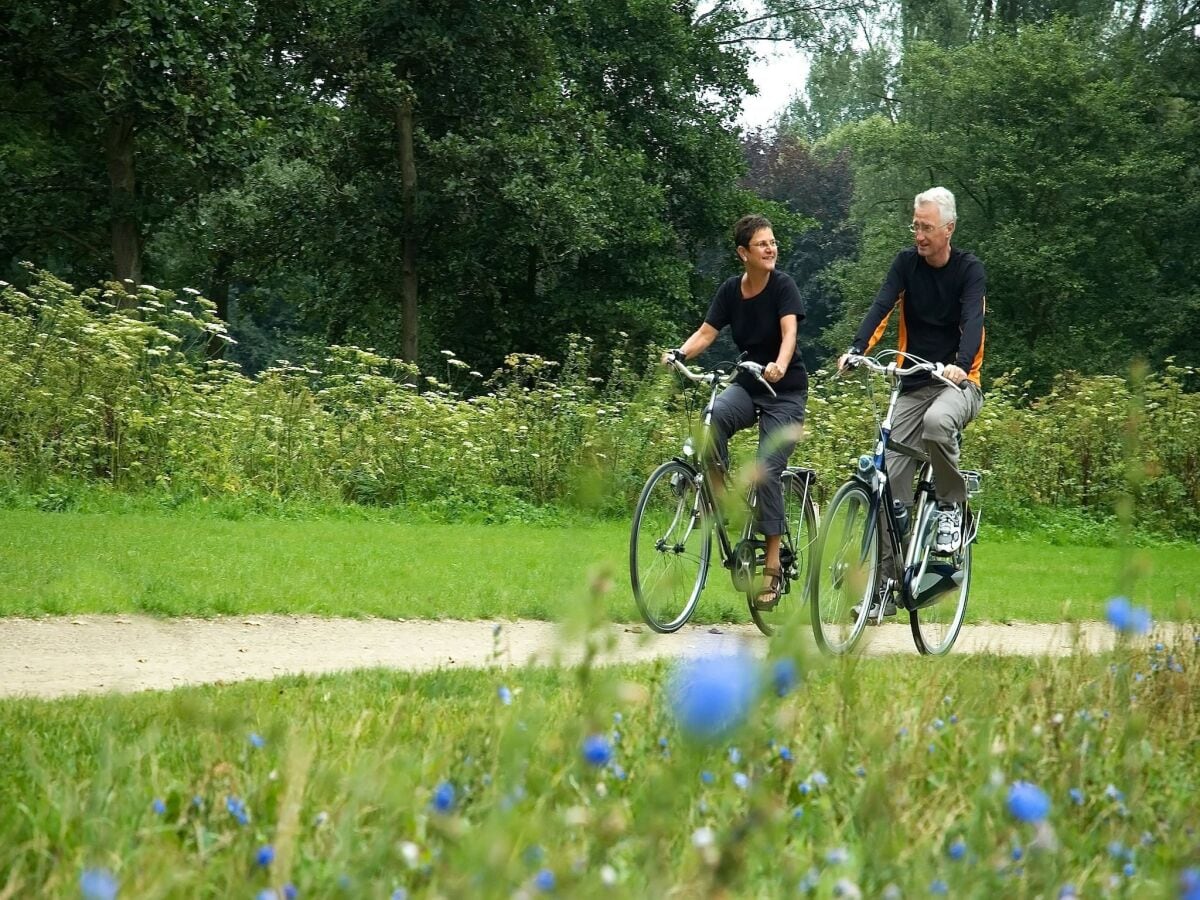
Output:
[[746, 227]]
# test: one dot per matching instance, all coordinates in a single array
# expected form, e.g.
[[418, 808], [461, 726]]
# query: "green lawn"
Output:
[[67, 563], [870, 773]]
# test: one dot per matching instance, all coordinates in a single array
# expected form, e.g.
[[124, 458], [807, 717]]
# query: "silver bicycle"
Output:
[[678, 513]]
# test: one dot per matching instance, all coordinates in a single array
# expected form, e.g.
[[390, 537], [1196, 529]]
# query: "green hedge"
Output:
[[107, 387]]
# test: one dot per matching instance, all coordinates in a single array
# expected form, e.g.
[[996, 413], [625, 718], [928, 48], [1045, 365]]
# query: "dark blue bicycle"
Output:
[[862, 516]]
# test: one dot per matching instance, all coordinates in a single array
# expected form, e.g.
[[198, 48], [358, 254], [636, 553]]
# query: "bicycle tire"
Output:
[[801, 515], [669, 544], [844, 571], [936, 627]]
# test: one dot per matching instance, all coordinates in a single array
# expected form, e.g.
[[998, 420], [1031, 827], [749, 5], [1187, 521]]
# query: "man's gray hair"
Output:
[[942, 199]]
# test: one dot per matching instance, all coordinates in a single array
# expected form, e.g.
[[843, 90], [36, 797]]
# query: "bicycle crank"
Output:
[[745, 564]]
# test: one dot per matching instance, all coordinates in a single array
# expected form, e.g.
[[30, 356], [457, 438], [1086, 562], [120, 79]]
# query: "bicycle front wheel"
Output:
[[941, 586], [796, 553], [669, 547], [844, 571]]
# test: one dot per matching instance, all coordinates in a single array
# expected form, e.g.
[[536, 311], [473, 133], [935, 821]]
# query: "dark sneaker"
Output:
[[948, 538]]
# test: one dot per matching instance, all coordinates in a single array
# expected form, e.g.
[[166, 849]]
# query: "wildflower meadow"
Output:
[[732, 774]]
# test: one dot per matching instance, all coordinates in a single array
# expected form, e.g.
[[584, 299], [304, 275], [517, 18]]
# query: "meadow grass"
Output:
[[64, 563], [866, 774]]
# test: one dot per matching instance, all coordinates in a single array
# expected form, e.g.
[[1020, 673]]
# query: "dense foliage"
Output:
[[104, 387]]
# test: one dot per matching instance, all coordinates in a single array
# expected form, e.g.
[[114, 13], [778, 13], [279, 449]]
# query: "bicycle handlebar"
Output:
[[895, 369], [718, 374]]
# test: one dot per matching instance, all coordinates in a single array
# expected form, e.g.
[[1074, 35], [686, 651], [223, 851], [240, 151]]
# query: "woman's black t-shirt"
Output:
[[754, 322]]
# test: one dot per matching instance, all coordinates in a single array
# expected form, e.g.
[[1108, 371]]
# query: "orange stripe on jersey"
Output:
[[882, 327], [903, 341]]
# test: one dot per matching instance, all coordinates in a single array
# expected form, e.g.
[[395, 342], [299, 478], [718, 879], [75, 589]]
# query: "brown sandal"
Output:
[[771, 589]]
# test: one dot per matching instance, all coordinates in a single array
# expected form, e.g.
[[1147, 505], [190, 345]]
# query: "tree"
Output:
[[121, 89], [1072, 168]]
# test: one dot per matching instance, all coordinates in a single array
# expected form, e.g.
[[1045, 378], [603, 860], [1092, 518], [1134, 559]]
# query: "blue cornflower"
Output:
[[1127, 618], [1130, 870], [443, 797], [158, 806], [618, 773], [596, 750], [544, 881], [712, 695], [804, 788], [1112, 793], [265, 855], [1117, 850], [1076, 796], [1028, 802], [267, 894], [662, 742], [861, 772], [290, 891], [938, 724], [954, 719], [1189, 884], [399, 894], [257, 740], [98, 884], [735, 755], [798, 812], [1017, 854], [504, 694], [818, 778], [1068, 892], [784, 676], [837, 856], [785, 754], [939, 887], [957, 850], [707, 777], [741, 780], [237, 809]]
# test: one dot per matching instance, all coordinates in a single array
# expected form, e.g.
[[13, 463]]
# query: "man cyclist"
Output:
[[940, 291]]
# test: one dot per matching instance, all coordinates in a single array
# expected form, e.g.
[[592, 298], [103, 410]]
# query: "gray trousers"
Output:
[[930, 418], [736, 409]]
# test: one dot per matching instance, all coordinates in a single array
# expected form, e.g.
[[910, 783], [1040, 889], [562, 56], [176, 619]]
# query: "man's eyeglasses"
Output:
[[925, 227], [763, 245]]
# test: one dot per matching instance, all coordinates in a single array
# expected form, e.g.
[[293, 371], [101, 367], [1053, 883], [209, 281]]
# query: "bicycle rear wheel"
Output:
[[796, 553], [845, 570], [940, 585], [669, 547]]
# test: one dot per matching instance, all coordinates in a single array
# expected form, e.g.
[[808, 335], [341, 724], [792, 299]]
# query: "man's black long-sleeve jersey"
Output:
[[941, 312]]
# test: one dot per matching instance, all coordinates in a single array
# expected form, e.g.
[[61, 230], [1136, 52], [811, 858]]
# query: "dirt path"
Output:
[[55, 657]]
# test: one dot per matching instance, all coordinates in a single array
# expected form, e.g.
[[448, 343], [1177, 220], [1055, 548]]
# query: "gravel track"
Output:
[[57, 657]]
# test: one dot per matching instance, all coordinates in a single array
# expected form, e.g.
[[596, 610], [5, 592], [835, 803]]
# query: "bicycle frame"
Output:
[[872, 473], [702, 466]]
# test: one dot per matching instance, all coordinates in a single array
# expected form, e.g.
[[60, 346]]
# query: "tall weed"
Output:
[[113, 386]]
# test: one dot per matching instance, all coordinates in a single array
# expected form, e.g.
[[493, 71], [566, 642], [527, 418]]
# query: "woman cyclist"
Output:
[[763, 309]]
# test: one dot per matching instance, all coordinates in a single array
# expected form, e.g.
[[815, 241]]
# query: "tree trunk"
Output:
[[126, 241], [218, 293], [408, 249]]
